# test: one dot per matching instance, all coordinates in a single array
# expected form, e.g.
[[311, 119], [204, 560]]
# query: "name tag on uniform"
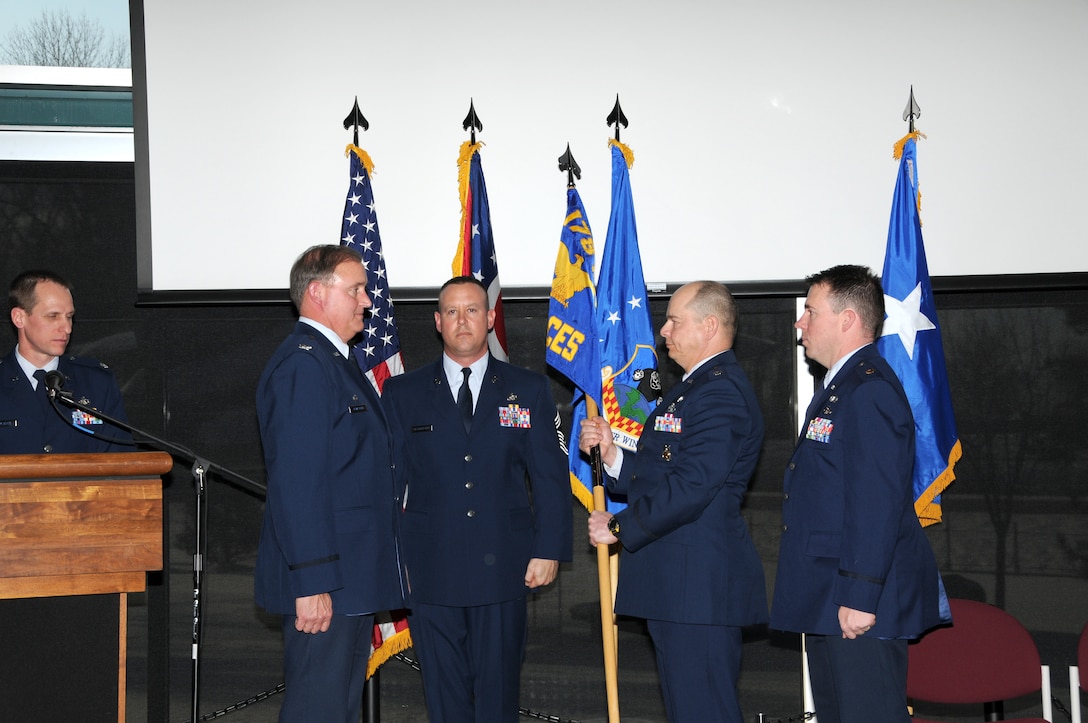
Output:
[[819, 430], [9, 422], [356, 408], [516, 416], [422, 428]]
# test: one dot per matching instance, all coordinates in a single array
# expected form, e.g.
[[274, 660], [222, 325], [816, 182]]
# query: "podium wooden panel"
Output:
[[82, 524]]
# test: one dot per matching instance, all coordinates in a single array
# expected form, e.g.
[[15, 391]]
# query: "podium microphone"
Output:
[[54, 380]]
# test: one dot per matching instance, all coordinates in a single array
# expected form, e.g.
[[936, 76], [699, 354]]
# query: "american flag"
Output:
[[476, 249], [378, 351]]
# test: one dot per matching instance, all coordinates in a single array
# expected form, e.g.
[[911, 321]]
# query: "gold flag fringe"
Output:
[[897, 153], [364, 158], [628, 154], [580, 492], [396, 644], [929, 512], [464, 166], [897, 149]]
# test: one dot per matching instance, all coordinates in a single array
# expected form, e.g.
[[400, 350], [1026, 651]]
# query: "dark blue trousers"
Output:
[[470, 659], [699, 666], [325, 672], [863, 680]]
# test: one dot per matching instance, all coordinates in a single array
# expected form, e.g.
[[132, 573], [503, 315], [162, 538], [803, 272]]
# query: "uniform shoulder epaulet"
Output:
[[866, 370], [84, 361]]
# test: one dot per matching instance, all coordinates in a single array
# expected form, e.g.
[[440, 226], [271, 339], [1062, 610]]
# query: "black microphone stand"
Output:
[[201, 466]]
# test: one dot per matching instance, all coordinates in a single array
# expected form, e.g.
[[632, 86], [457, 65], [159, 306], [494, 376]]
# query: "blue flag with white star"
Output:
[[631, 386], [911, 343]]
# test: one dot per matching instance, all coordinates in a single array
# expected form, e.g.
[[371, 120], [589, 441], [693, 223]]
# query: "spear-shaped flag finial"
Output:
[[912, 111], [568, 164], [617, 117], [355, 118], [472, 122]]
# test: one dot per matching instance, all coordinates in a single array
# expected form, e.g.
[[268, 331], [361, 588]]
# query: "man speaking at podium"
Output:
[[56, 650], [42, 311]]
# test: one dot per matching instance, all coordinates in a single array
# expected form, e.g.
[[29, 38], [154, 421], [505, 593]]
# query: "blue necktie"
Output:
[[41, 392], [464, 400]]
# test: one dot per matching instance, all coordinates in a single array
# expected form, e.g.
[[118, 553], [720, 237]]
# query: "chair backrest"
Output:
[[986, 655], [1082, 657]]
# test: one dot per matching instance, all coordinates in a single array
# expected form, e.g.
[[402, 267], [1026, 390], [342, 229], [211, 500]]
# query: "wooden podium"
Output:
[[74, 525]]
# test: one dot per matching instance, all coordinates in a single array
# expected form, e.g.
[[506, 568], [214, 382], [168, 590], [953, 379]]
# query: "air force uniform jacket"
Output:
[[479, 504], [329, 512], [688, 556], [850, 535], [28, 424]]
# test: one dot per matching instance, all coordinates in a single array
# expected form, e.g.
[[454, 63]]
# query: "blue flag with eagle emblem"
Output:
[[631, 386], [572, 347], [911, 342]]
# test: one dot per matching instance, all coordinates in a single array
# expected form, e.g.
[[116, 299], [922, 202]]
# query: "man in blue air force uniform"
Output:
[[855, 571], [41, 634], [327, 555], [42, 312], [488, 510], [688, 565]]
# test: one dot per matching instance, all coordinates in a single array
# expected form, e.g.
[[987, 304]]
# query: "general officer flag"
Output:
[[911, 342], [572, 346], [475, 254], [631, 386], [377, 352]]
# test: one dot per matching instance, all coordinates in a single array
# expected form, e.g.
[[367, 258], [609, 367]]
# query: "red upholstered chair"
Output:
[[986, 656], [1078, 681]]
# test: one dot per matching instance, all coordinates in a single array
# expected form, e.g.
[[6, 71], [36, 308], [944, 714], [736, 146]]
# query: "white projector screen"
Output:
[[762, 132]]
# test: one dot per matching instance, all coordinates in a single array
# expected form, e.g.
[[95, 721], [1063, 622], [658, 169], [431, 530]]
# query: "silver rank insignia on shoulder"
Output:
[[305, 347], [666, 453]]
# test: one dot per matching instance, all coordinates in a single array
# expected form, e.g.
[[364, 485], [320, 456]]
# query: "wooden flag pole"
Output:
[[606, 587]]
